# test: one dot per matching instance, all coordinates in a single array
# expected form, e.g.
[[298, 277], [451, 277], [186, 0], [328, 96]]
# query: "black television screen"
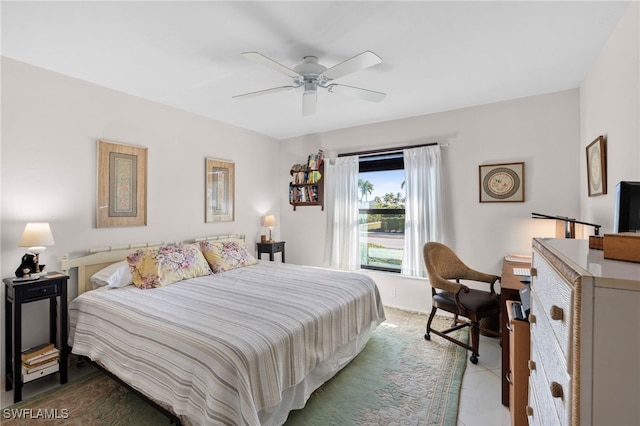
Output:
[[627, 216]]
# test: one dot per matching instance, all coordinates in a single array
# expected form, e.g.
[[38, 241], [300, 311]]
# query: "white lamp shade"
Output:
[[36, 234], [269, 221]]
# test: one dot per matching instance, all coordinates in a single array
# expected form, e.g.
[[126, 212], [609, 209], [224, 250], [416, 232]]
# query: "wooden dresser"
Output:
[[585, 336]]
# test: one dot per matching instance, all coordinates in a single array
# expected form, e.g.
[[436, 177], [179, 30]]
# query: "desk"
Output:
[[510, 286]]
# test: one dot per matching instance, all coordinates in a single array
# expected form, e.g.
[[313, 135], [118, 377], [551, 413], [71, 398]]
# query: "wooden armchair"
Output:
[[445, 270]]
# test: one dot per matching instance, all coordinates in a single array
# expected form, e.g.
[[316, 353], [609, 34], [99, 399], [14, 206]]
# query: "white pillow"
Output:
[[113, 276]]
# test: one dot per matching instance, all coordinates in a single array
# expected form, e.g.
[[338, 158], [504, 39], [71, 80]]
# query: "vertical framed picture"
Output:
[[597, 167], [122, 185], [219, 192], [502, 183]]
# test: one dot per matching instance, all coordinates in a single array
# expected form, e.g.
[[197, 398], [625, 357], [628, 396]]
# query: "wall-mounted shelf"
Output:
[[307, 183]]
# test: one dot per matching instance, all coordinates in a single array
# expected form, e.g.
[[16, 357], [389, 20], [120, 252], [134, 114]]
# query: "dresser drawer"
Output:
[[534, 415], [540, 398], [42, 291], [278, 247], [549, 359], [555, 302]]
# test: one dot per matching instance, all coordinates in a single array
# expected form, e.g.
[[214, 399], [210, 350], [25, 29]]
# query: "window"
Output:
[[381, 205]]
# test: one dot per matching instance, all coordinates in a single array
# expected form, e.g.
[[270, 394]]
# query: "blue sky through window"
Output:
[[384, 182]]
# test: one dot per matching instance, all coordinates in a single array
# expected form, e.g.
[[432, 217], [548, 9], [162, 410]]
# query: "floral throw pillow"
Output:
[[160, 266], [226, 255]]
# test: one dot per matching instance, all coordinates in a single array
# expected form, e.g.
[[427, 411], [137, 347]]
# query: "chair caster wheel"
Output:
[[473, 359], [427, 336]]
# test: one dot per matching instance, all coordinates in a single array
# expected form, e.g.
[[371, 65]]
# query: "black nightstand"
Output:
[[17, 293], [271, 248]]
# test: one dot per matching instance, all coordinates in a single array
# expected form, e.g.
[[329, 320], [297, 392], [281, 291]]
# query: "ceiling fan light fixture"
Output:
[[311, 74]]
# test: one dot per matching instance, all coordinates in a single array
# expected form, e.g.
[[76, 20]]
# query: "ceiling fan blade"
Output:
[[264, 92], [309, 102], [359, 62], [356, 92], [261, 59]]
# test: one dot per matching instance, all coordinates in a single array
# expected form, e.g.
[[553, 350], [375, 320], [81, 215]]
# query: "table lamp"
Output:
[[270, 223], [36, 236]]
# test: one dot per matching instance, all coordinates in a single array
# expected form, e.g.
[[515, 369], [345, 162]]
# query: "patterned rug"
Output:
[[398, 379]]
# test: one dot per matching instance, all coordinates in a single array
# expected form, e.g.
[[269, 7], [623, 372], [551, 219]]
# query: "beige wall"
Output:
[[50, 126], [542, 131], [549, 133], [610, 106]]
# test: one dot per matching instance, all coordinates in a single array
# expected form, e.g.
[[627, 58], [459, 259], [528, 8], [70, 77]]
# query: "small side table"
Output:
[[271, 248], [17, 293]]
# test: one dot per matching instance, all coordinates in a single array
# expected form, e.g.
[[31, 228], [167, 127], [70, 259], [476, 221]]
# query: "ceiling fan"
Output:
[[312, 75]]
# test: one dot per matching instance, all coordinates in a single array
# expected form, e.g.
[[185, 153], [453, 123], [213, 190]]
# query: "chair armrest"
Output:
[[446, 285], [472, 275]]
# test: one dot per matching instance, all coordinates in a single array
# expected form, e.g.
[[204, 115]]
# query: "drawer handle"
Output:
[[556, 390], [43, 290], [529, 411], [532, 319], [532, 365], [509, 327], [508, 377], [557, 313]]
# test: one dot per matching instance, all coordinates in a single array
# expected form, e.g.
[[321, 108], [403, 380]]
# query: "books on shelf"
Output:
[[308, 194], [37, 352], [39, 361], [42, 359], [315, 160], [306, 186], [39, 366]]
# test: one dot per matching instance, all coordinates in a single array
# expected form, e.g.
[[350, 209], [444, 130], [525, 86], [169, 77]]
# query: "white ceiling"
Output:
[[437, 56]]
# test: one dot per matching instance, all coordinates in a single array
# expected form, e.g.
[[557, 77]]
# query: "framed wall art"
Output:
[[122, 185], [502, 183], [597, 167], [219, 193]]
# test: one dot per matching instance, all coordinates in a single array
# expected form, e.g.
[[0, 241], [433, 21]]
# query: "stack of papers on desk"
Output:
[[519, 258]]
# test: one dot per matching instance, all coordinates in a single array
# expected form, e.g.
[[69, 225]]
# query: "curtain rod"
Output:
[[388, 150]]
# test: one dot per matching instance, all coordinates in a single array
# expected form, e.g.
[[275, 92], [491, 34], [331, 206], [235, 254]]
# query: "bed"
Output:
[[244, 345]]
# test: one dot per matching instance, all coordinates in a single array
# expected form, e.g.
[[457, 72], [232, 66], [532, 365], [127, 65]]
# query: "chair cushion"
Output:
[[483, 303]]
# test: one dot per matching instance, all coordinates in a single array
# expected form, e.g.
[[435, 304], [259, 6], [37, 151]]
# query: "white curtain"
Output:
[[423, 206], [341, 186]]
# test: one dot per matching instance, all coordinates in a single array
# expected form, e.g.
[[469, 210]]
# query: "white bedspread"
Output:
[[220, 349]]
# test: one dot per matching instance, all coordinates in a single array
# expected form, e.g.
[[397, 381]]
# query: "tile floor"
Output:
[[479, 399], [481, 394]]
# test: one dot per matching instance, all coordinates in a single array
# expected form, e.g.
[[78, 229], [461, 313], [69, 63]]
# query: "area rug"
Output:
[[398, 379]]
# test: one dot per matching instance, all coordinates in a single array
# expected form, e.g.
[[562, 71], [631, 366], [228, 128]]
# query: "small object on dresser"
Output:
[[622, 246], [596, 242]]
